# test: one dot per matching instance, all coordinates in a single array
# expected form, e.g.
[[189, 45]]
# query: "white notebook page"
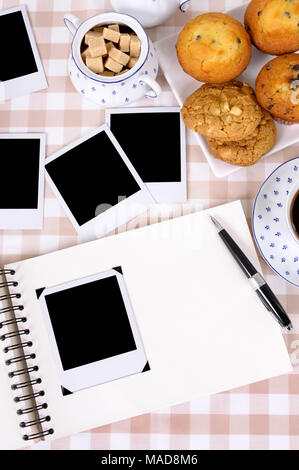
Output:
[[203, 328]]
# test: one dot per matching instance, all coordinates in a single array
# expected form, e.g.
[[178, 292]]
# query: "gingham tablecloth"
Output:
[[264, 415]]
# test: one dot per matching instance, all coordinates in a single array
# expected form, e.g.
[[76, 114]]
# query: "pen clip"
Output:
[[256, 281]]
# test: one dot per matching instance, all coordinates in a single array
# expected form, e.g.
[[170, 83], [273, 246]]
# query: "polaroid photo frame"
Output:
[[96, 184], [154, 139], [22, 184], [114, 350], [20, 73]]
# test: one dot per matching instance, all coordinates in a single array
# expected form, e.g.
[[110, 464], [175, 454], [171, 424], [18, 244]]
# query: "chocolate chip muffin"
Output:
[[227, 112], [273, 25], [214, 48], [277, 88], [247, 151]]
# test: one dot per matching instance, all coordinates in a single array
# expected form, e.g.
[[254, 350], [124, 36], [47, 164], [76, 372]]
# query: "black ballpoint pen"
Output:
[[257, 281]]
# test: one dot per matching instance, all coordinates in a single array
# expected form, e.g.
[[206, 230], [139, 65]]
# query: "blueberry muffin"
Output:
[[277, 88], [273, 25], [226, 112], [214, 48], [246, 152]]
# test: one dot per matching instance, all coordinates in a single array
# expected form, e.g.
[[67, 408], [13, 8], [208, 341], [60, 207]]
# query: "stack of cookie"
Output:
[[237, 129]]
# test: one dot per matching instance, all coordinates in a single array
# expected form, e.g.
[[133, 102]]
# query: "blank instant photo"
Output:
[[22, 184], [21, 69], [154, 139], [92, 331], [96, 184]]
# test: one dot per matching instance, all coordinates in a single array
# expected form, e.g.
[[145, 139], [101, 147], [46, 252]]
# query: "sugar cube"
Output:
[[119, 56], [112, 65], [97, 47], [111, 35], [124, 42], [109, 46], [85, 53], [115, 27], [95, 64], [123, 71], [107, 73], [133, 61], [99, 29], [135, 46], [92, 36]]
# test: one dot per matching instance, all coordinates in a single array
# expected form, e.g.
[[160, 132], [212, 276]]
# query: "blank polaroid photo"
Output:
[[96, 184], [22, 183], [154, 139], [21, 69], [111, 346]]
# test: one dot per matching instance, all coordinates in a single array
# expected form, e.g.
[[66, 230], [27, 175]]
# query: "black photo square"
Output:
[[20, 165], [17, 58]]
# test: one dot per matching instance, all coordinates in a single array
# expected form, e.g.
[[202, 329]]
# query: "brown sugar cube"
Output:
[[97, 47], [123, 71], [112, 65], [107, 73], [115, 27], [111, 35], [99, 29], [133, 61], [124, 42], [135, 46], [85, 54], [95, 64], [92, 36], [109, 46], [119, 56]]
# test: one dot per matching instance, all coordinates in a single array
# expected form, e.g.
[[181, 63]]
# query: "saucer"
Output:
[[270, 228]]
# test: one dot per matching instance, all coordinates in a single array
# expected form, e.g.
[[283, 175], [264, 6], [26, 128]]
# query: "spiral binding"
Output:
[[23, 357]]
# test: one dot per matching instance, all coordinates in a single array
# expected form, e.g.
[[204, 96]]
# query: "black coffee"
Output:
[[295, 213]]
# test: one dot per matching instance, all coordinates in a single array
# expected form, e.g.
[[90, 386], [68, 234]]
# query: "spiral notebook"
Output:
[[131, 323]]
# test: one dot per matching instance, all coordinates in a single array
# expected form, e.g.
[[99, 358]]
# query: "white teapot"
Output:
[[150, 12]]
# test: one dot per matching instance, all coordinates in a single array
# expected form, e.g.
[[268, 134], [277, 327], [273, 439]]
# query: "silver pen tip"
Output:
[[216, 223]]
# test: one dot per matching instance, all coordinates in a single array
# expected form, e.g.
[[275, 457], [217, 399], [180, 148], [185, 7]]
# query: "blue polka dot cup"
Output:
[[118, 90]]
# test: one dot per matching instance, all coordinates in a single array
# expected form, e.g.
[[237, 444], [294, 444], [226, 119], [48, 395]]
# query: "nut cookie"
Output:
[[227, 112], [247, 151]]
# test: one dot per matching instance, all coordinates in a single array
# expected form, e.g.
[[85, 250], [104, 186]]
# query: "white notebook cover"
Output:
[[203, 328]]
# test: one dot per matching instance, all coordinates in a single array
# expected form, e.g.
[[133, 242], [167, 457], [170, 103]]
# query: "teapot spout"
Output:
[[184, 5]]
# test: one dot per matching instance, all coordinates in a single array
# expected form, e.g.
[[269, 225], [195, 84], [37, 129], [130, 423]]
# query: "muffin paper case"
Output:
[[150, 12], [284, 122], [119, 90]]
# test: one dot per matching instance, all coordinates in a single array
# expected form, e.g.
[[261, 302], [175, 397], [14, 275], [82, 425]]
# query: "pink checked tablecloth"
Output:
[[260, 416]]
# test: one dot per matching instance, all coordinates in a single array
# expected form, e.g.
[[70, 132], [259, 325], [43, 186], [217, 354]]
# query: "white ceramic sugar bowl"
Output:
[[150, 12], [119, 90]]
